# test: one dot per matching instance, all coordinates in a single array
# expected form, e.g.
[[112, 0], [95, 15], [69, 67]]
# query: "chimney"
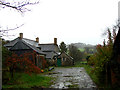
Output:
[[37, 39], [55, 40], [21, 35]]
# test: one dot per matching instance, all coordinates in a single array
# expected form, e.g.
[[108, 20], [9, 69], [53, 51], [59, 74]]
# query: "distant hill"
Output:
[[90, 49]]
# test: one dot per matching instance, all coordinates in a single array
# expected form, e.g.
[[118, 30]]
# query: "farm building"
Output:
[[21, 46], [49, 52], [64, 59]]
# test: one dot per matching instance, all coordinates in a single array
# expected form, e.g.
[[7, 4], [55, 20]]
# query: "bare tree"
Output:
[[112, 31], [18, 5], [3, 32]]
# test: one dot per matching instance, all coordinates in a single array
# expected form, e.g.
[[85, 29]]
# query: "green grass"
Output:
[[80, 63], [92, 75], [83, 62], [22, 80], [81, 49]]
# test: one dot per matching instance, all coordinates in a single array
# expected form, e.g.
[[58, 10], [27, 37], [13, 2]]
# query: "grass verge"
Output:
[[22, 80]]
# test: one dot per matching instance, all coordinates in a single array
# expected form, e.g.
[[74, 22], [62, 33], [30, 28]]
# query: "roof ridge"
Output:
[[14, 45], [11, 42], [47, 44], [31, 42], [67, 55], [33, 47], [30, 39]]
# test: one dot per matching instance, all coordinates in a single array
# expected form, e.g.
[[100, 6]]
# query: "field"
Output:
[[81, 49]]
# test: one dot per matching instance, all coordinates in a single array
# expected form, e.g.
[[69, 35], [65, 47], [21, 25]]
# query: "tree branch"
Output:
[[20, 6], [4, 31]]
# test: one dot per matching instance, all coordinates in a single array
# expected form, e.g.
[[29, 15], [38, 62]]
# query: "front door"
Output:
[[59, 62]]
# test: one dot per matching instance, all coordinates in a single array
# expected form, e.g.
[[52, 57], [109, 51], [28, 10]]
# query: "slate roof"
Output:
[[67, 55], [18, 44], [31, 42], [11, 43], [49, 55], [49, 47], [50, 50]]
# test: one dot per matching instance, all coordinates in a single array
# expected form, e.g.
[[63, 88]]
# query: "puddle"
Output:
[[67, 83], [61, 85], [50, 73], [67, 76]]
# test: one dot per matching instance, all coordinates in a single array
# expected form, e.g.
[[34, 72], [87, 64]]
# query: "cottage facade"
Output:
[[63, 59], [66, 59]]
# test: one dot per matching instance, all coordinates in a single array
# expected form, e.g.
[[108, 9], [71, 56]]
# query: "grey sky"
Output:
[[68, 20]]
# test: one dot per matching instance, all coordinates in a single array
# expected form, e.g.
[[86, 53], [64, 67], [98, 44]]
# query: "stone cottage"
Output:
[[21, 46]]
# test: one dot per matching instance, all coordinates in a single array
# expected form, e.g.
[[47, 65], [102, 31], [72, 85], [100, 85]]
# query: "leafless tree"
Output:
[[18, 5], [114, 29], [3, 32]]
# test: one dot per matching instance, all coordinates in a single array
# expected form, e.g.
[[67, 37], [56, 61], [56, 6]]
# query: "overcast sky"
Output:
[[70, 21]]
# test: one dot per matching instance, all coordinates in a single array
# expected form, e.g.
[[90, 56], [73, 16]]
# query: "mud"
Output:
[[74, 77]]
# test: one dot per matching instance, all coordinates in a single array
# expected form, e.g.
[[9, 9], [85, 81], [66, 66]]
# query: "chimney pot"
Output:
[[55, 40], [21, 35], [37, 40]]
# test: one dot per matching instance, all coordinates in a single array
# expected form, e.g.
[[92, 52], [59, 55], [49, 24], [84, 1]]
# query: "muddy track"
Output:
[[74, 77]]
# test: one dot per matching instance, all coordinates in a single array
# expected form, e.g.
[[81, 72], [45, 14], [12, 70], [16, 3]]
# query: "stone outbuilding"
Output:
[[64, 59]]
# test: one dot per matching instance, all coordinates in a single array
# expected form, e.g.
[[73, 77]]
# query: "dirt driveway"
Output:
[[74, 77]]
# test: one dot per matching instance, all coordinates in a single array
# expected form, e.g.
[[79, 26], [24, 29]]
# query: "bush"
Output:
[[101, 61]]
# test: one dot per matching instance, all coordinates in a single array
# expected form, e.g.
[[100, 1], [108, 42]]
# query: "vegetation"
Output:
[[75, 53], [5, 54], [63, 47], [100, 62], [23, 80], [115, 61], [15, 69], [81, 49]]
